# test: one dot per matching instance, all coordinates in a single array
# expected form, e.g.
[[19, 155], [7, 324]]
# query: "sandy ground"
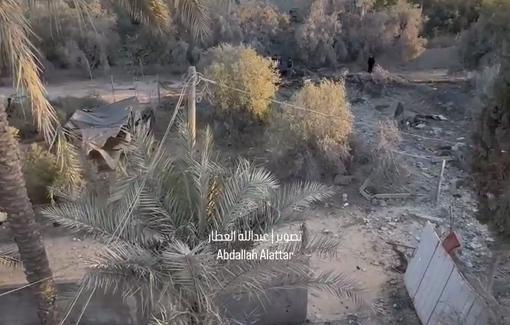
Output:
[[146, 89], [363, 227]]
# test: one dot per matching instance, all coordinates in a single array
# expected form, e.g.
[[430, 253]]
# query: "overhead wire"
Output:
[[282, 103]]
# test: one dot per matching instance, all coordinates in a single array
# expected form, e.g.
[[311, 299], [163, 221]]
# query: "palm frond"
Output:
[[324, 246], [94, 217], [337, 284], [194, 15], [9, 257], [252, 277], [242, 193], [69, 163], [154, 13], [16, 48], [292, 200], [129, 270], [174, 317]]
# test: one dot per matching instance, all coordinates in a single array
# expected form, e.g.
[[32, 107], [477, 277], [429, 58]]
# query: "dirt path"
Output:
[[146, 89]]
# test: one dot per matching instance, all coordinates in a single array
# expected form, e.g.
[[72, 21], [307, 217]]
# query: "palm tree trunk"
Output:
[[26, 233]]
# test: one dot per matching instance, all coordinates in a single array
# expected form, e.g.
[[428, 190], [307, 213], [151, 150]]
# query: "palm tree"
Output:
[[14, 199], [17, 51], [159, 248]]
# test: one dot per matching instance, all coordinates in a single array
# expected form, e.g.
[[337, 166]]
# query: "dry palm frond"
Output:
[[154, 13], [9, 257], [69, 163], [16, 48], [194, 14]]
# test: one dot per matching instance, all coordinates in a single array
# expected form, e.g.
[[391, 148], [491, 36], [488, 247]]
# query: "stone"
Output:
[[437, 130]]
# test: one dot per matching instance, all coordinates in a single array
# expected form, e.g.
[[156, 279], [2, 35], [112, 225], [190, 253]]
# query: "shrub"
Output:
[[336, 32], [14, 132], [242, 68], [21, 118], [479, 44], [483, 84], [390, 168], [89, 42], [263, 27], [319, 38], [313, 145], [448, 16], [41, 171]]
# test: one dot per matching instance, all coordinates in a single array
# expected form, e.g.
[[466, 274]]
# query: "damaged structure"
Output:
[[105, 131]]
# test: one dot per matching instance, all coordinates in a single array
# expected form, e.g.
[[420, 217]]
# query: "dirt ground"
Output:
[[364, 227]]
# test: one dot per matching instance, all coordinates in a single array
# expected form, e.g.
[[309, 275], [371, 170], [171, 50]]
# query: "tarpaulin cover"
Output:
[[97, 125]]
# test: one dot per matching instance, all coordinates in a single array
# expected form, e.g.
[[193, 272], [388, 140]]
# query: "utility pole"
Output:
[[192, 109]]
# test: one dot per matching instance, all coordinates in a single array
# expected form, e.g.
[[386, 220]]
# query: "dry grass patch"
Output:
[[390, 167]]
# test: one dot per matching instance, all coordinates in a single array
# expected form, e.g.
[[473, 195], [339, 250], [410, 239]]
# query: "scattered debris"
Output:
[[426, 217]]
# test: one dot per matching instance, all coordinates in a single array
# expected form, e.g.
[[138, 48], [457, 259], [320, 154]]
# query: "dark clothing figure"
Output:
[[290, 65], [9, 109], [371, 63]]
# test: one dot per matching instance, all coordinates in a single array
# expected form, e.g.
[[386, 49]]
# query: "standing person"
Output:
[[290, 66], [371, 63]]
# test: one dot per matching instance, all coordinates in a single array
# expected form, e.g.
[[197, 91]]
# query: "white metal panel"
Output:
[[420, 262], [438, 289], [432, 285], [473, 318], [455, 301]]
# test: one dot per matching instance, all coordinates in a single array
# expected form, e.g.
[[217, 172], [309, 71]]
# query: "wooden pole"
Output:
[[113, 88], [135, 86], [159, 92], [439, 181], [192, 109]]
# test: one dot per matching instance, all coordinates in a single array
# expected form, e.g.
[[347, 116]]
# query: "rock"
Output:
[[344, 197], [343, 180], [381, 107], [425, 217], [383, 203], [474, 245], [437, 130], [420, 126]]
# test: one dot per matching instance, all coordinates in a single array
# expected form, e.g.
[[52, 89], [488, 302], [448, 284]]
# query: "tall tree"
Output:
[[14, 199], [16, 49], [491, 161]]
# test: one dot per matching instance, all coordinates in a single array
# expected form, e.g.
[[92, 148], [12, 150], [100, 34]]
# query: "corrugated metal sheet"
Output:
[[437, 288]]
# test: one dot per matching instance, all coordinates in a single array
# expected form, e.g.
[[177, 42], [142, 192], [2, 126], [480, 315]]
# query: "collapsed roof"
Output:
[[97, 125]]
